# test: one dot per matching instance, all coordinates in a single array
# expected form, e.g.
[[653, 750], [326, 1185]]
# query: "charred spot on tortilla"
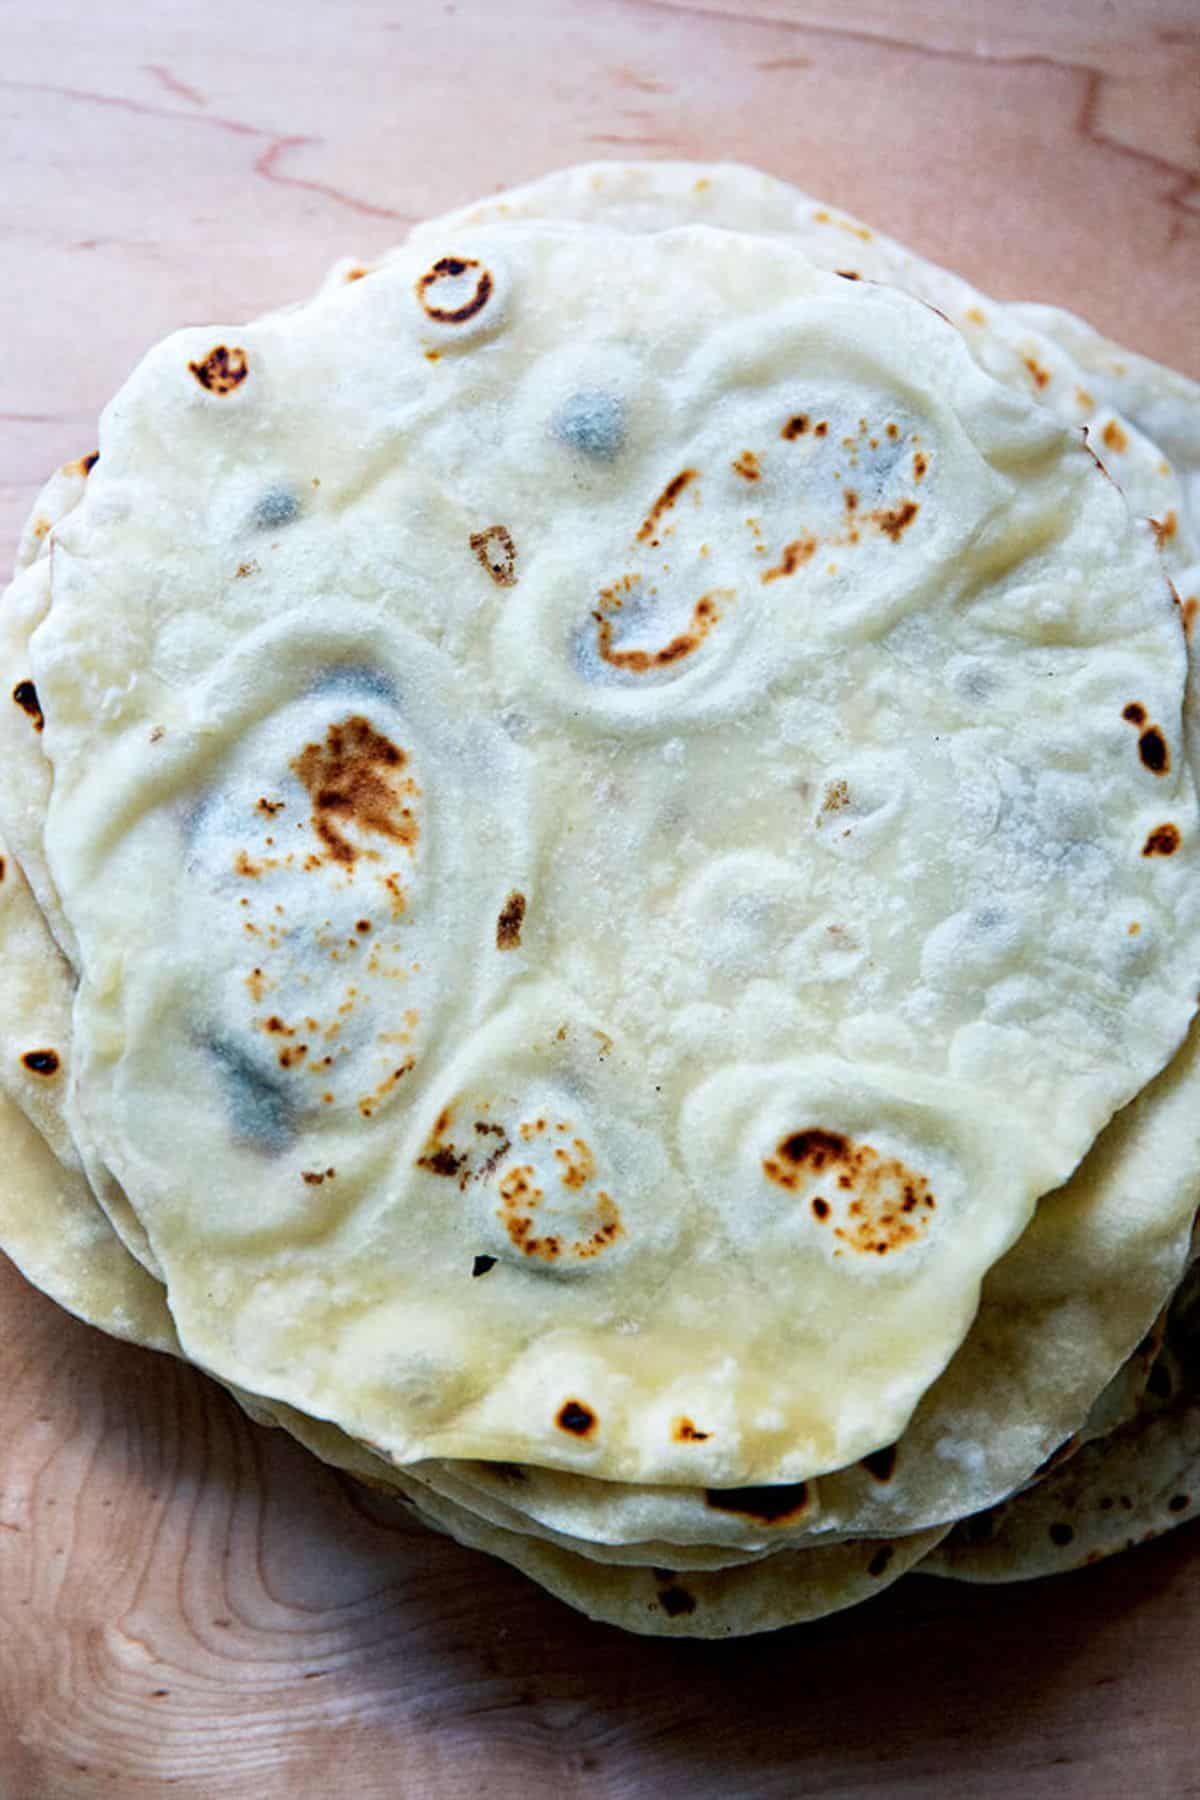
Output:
[[676, 1601], [1162, 841], [354, 778], [1152, 748], [881, 1560], [881, 1464], [496, 553], [769, 1505], [442, 1161], [664, 504], [508, 925], [575, 1417], [26, 697], [41, 1062], [481, 1265], [453, 269], [222, 370]]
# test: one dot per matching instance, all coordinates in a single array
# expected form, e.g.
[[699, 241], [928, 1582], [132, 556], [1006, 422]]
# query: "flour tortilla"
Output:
[[1010, 512], [63, 1243], [1135, 412], [1124, 1488]]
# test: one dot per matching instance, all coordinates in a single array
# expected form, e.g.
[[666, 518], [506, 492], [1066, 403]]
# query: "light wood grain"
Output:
[[187, 1603]]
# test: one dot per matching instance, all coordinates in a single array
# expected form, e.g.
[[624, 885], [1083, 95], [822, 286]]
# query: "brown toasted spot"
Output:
[[1114, 437], [369, 1102], [746, 465], [920, 465], [315, 1177], [1062, 1535], [1179, 1502], [26, 697], [481, 1265], [850, 500], [354, 778], [1189, 608], [3, 868], [893, 430], [705, 614], [1041, 376], [269, 807], [796, 426], [684, 1432], [497, 554], [821, 428], [83, 465], [575, 1417], [1135, 713], [664, 503], [244, 569], [292, 1054], [848, 274], [880, 1560], [770, 1505], [357, 273], [448, 268], [520, 1199], [881, 1463], [891, 1202], [1152, 748], [1162, 841], [815, 1148], [894, 521], [1164, 529], [795, 554], [578, 1164], [222, 369], [837, 795], [508, 925], [441, 1161], [975, 316], [41, 1062], [675, 1600]]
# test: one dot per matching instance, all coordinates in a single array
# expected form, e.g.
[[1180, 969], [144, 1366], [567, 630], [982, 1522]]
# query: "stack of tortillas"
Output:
[[599, 907]]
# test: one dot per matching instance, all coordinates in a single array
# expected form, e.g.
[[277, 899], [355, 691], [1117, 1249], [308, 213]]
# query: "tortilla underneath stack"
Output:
[[598, 913]]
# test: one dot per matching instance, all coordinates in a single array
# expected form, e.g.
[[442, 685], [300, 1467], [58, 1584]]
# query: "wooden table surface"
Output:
[[188, 1604]]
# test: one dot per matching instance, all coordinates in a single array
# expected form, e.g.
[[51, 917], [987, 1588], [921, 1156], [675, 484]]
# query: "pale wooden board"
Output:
[[187, 1604]]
